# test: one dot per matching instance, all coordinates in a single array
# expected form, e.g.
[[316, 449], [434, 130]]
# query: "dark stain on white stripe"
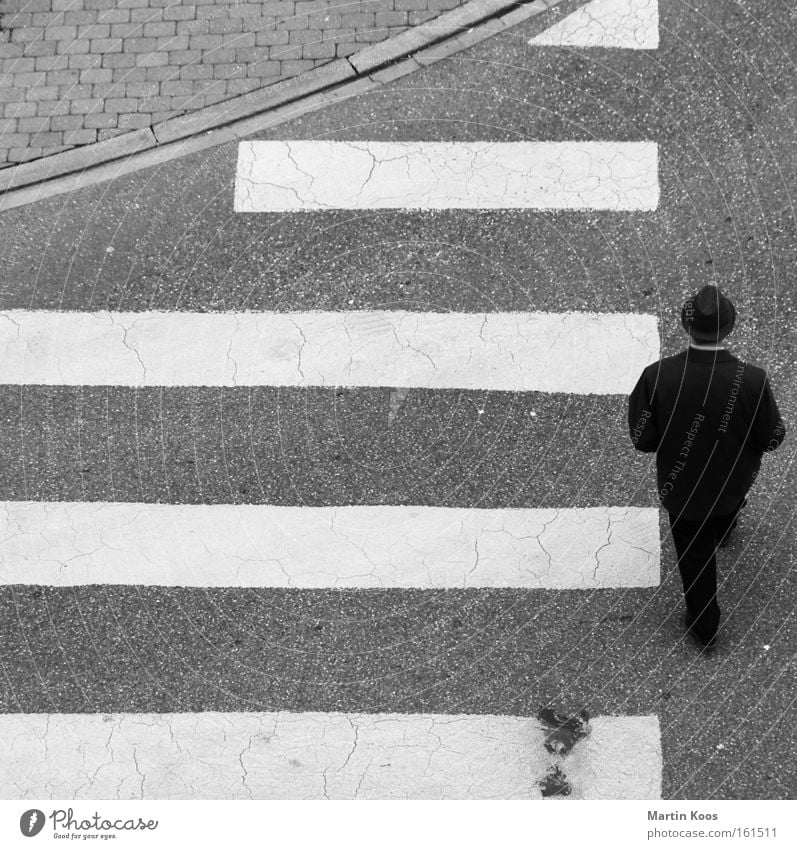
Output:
[[562, 734], [563, 731]]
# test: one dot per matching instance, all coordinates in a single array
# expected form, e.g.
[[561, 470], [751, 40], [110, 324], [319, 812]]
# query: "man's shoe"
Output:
[[706, 646], [725, 540]]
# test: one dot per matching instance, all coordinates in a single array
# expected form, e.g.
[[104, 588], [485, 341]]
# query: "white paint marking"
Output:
[[229, 545], [591, 353], [290, 176], [316, 756], [630, 24]]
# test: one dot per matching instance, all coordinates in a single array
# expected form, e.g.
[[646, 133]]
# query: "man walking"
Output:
[[709, 417]]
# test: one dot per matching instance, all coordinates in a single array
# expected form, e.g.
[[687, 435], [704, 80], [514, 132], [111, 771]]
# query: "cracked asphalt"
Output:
[[720, 98]]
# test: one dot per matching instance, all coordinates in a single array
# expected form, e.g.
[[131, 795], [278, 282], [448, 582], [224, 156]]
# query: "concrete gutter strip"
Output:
[[395, 71], [238, 117], [78, 159], [450, 23], [449, 47]]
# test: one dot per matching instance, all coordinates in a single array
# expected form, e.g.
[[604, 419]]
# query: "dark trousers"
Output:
[[696, 544]]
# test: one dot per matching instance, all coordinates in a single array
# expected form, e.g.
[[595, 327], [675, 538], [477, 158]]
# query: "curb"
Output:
[[333, 82]]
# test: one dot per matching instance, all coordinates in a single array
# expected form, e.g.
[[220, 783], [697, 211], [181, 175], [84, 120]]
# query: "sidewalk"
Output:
[[75, 72]]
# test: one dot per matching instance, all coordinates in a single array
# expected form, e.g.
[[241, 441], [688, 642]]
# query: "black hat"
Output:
[[708, 316]]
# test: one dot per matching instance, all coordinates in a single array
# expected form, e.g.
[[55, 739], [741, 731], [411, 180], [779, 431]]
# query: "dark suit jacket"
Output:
[[709, 417]]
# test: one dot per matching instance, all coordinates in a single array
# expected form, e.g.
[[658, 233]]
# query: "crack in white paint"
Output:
[[125, 331], [548, 555], [244, 770], [303, 345], [141, 775], [607, 544], [231, 359], [18, 330]]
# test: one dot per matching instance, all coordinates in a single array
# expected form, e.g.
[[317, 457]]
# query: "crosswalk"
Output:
[[107, 543]]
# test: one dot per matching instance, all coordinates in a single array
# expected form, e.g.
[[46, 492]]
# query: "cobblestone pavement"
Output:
[[73, 72]]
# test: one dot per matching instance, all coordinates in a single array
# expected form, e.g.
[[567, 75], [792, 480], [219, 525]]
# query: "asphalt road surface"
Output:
[[718, 97]]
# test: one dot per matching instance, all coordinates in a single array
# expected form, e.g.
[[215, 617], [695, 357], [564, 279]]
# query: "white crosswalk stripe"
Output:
[[229, 545], [626, 24], [499, 351], [317, 755], [291, 176]]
